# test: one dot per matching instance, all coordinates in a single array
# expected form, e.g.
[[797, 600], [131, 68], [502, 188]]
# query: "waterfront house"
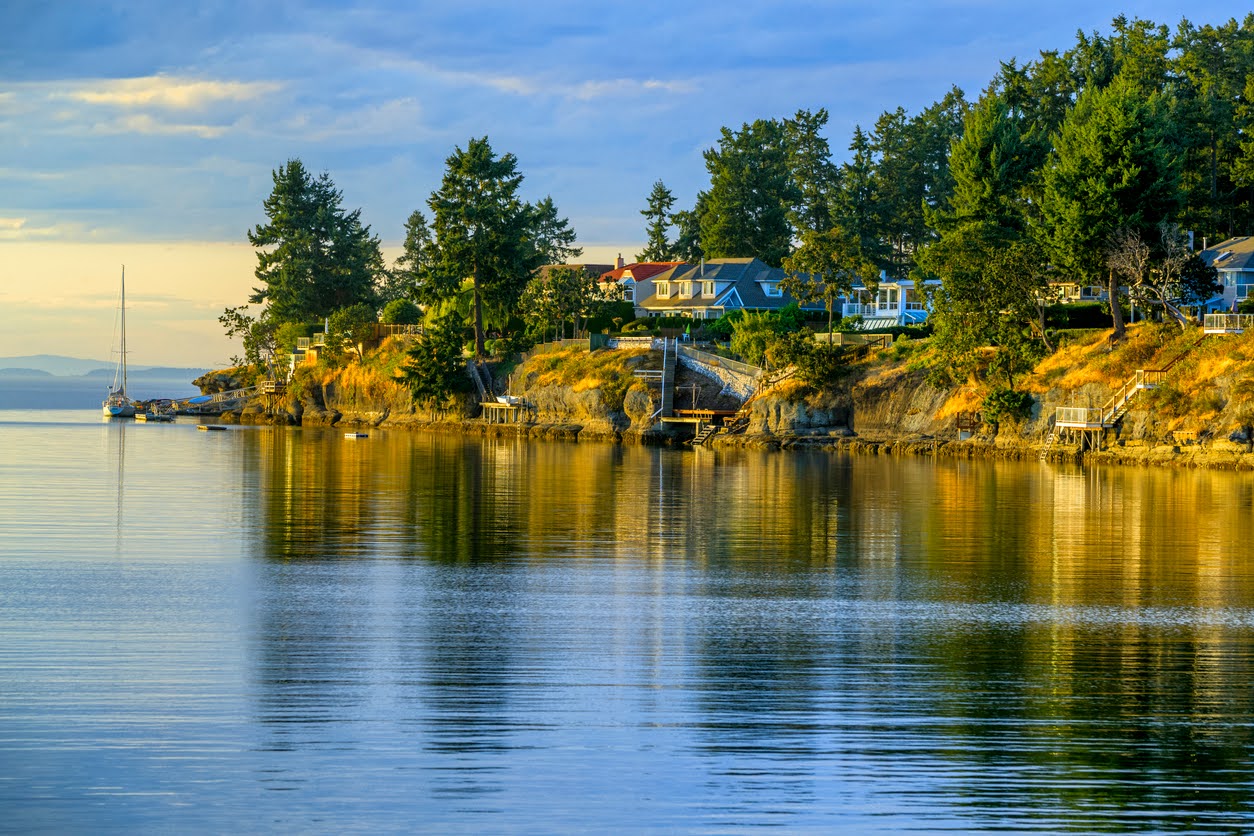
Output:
[[1071, 290], [712, 288], [627, 282], [1233, 260], [890, 302]]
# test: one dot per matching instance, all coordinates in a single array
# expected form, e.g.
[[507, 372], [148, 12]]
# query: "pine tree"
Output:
[[313, 257], [658, 215]]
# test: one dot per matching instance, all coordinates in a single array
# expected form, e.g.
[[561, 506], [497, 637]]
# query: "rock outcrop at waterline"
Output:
[[1200, 416]]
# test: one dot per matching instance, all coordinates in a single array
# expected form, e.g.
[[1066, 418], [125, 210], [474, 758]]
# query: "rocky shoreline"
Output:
[[1010, 444], [877, 409]]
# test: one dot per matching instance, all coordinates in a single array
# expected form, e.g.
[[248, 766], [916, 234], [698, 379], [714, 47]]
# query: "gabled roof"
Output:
[[639, 270], [1233, 254], [745, 275]]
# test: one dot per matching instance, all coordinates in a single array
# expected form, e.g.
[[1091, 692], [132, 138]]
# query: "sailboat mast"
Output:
[[123, 330]]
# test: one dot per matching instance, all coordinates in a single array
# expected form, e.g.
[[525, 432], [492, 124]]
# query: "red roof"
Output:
[[639, 270]]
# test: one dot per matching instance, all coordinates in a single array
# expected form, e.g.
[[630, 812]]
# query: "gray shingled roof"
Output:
[[742, 273], [1233, 254]]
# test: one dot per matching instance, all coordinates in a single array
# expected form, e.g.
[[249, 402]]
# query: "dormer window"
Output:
[[664, 290], [772, 289], [685, 290], [707, 289]]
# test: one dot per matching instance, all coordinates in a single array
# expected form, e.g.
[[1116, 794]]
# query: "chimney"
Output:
[[618, 262]]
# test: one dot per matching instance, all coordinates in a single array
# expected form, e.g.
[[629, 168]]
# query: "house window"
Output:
[[685, 290], [707, 288], [664, 289], [629, 293], [772, 289]]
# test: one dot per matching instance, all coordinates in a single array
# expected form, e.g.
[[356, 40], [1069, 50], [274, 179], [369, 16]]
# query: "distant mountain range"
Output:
[[45, 381], [35, 365]]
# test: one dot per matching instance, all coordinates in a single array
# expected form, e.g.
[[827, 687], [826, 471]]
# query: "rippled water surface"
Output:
[[272, 629]]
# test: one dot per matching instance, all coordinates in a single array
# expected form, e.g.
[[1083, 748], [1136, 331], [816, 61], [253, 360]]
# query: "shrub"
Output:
[[753, 333], [1078, 315], [1006, 404], [817, 364], [401, 312]]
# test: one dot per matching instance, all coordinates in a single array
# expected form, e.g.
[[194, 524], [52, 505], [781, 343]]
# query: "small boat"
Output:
[[117, 404], [206, 428], [157, 414], [511, 400], [356, 435]]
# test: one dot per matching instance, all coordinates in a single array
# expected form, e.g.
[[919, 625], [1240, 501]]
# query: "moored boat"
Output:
[[117, 404]]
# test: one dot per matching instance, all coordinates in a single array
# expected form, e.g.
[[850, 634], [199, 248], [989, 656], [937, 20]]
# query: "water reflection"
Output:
[[813, 637]]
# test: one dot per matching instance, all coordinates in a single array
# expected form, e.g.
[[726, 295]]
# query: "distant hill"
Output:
[[54, 364], [76, 367], [35, 388], [24, 373]]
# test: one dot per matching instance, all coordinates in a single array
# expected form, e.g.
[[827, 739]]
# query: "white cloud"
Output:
[[18, 229], [143, 123], [627, 87], [167, 92]]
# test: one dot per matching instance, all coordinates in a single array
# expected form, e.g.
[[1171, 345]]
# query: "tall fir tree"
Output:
[[1113, 168], [658, 220], [313, 257]]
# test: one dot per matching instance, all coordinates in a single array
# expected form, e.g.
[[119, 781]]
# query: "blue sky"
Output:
[[141, 123]]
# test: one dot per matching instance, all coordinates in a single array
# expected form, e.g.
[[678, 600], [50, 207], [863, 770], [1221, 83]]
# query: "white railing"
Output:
[[1228, 322], [1073, 415]]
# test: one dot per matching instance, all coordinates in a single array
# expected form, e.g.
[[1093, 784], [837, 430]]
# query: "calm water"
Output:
[[282, 630]]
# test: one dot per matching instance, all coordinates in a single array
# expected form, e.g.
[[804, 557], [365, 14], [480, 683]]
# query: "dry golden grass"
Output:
[[966, 399], [581, 369]]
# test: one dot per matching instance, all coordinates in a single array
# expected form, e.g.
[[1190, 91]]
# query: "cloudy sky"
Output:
[[141, 134]]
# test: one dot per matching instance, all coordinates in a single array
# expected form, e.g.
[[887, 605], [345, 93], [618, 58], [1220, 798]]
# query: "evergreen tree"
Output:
[[658, 216], [912, 175], [483, 231], [992, 275], [550, 237], [688, 231], [313, 257], [751, 194], [435, 367], [417, 275], [813, 173], [1112, 168]]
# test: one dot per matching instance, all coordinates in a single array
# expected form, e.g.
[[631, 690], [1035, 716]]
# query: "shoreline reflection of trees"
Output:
[[1064, 696]]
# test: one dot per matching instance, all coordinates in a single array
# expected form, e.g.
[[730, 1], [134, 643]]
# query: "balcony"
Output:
[[1227, 323]]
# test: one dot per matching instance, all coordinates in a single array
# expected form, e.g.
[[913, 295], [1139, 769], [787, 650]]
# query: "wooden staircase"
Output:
[[707, 432], [1097, 420]]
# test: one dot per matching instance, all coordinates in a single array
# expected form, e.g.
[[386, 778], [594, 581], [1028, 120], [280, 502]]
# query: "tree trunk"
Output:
[[1116, 313], [478, 316]]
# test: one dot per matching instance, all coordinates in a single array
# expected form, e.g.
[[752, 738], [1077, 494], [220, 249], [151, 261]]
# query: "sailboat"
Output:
[[117, 405]]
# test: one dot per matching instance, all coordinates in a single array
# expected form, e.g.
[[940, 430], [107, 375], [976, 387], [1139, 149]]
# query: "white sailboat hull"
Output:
[[118, 409]]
